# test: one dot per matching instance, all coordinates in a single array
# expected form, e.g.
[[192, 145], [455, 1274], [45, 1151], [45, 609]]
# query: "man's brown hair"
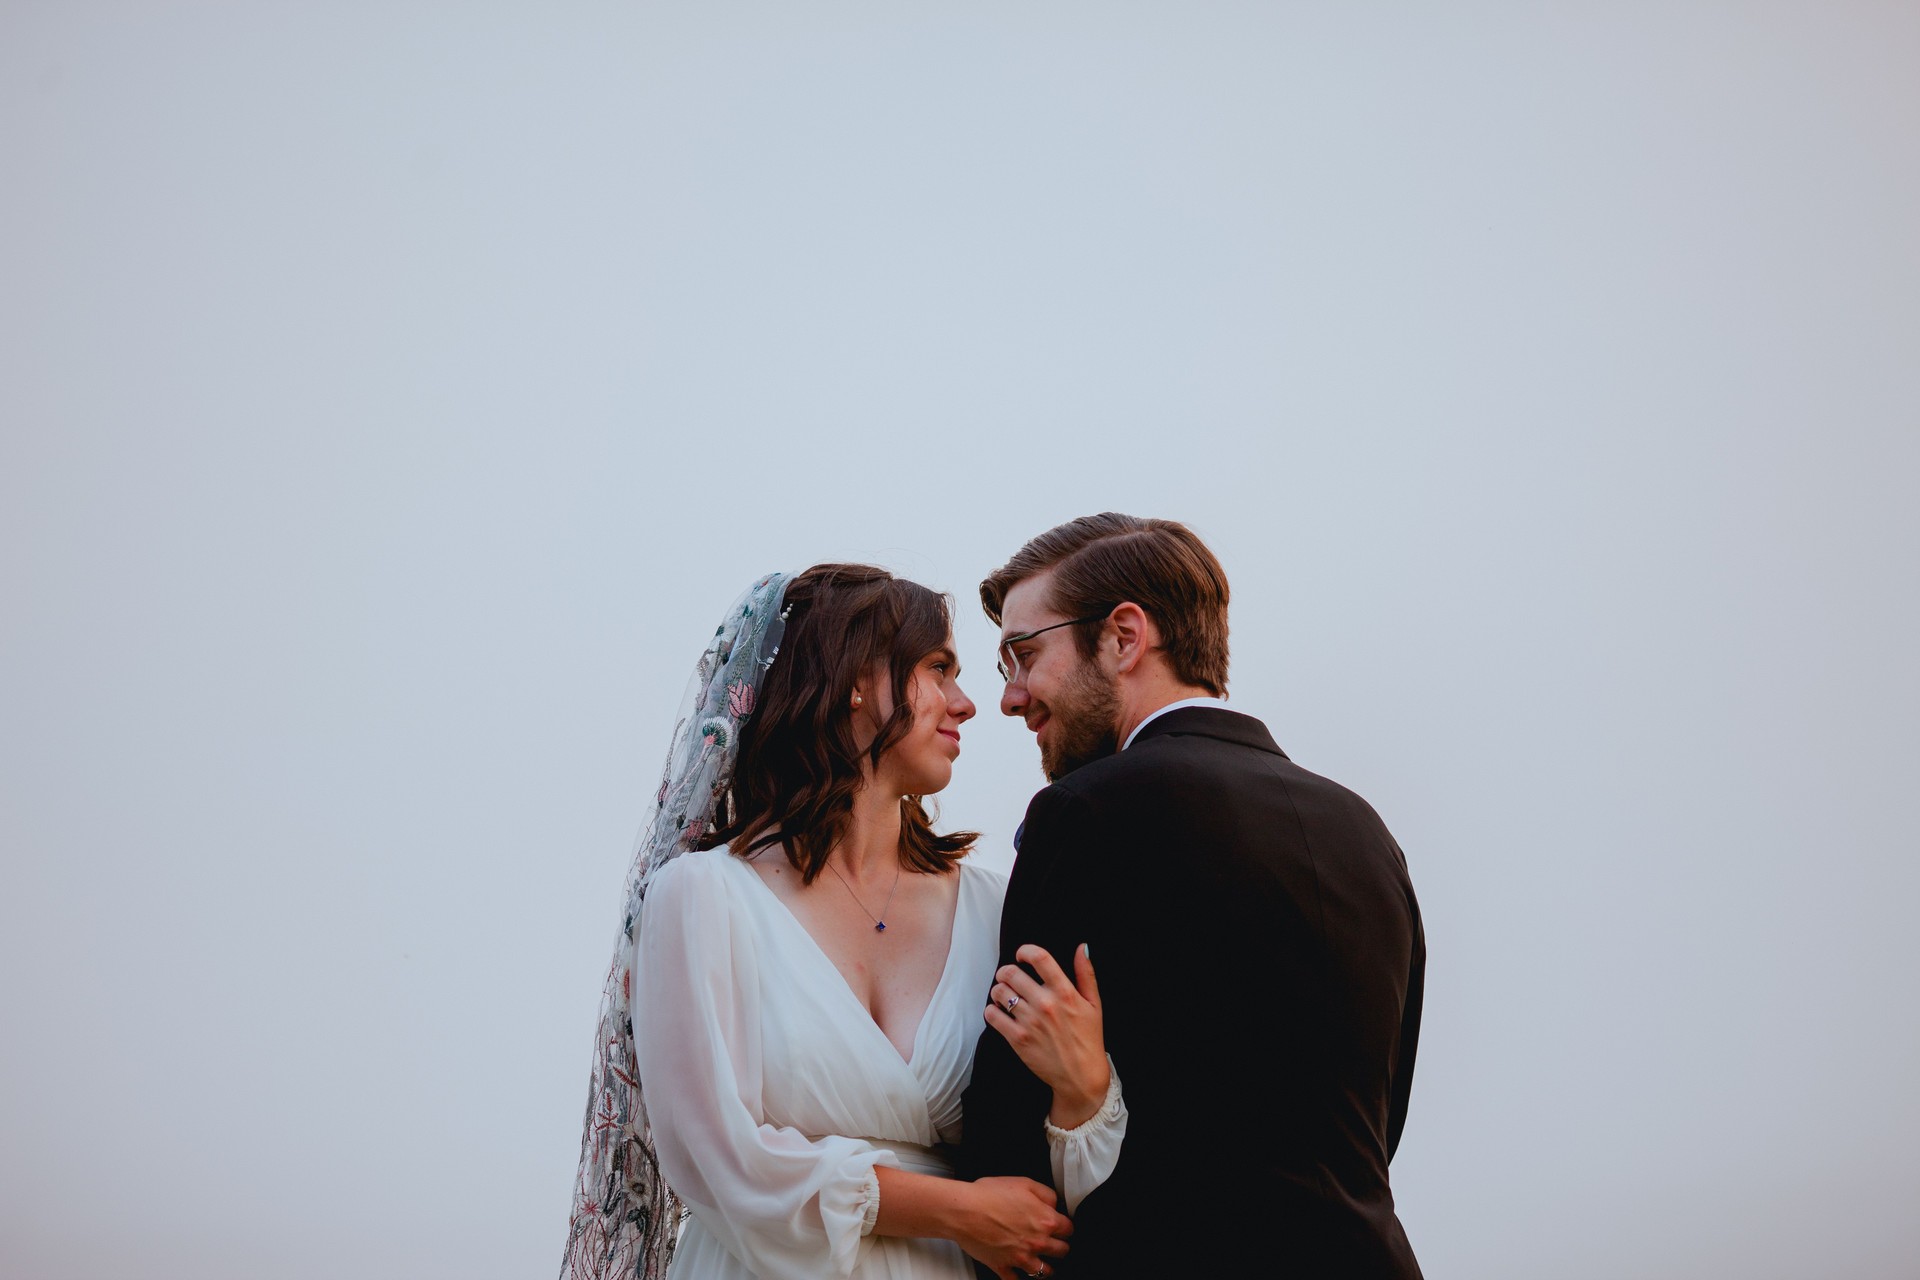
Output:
[[1102, 561]]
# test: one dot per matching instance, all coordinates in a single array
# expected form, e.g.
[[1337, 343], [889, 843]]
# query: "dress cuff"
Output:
[[1112, 1107], [870, 1203]]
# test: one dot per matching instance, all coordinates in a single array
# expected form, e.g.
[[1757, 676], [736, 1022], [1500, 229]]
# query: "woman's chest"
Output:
[[827, 1062], [891, 953]]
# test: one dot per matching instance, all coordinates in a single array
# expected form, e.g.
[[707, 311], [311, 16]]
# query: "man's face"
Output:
[[1071, 706]]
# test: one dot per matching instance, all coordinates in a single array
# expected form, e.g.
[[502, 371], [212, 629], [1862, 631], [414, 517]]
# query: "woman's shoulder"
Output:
[[983, 887], [701, 874], [703, 900], [979, 876]]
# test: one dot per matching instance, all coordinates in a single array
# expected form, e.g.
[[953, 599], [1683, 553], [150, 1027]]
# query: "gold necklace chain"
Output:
[[879, 925]]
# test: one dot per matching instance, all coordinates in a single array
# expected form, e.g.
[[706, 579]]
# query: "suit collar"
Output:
[[1151, 716], [1210, 722]]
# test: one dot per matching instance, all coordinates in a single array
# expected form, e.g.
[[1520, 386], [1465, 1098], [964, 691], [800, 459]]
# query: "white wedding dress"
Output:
[[771, 1091]]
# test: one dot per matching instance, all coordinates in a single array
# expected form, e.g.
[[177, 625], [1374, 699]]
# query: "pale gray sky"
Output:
[[392, 395]]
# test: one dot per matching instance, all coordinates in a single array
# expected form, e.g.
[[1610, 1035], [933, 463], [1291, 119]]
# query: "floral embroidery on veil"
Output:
[[625, 1218]]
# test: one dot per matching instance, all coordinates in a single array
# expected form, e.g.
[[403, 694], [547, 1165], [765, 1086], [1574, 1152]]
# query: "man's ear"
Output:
[[1134, 634]]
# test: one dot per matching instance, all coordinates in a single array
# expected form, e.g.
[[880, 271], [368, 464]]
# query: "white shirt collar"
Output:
[[1172, 706]]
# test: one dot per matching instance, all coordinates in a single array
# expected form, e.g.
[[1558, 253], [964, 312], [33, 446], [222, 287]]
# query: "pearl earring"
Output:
[[857, 699]]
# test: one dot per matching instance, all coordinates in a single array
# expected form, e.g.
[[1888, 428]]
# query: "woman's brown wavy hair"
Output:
[[799, 766]]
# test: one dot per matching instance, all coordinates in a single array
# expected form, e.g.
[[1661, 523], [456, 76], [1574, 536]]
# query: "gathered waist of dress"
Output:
[[914, 1157]]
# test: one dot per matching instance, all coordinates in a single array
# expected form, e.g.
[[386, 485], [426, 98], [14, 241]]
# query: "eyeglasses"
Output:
[[1010, 665]]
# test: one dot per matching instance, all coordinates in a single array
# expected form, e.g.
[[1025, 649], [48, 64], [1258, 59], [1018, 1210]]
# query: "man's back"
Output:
[[1260, 960]]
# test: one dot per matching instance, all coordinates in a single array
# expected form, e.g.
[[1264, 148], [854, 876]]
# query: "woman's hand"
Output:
[[1010, 1224], [1013, 1227], [1055, 1027]]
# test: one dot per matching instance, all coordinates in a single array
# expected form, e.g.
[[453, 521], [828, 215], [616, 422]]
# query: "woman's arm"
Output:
[[1010, 1224], [1055, 1026], [791, 1206], [1084, 1157]]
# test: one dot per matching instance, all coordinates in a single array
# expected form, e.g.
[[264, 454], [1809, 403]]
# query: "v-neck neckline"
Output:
[[866, 1014]]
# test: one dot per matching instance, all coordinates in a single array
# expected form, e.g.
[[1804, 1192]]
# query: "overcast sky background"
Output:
[[393, 396]]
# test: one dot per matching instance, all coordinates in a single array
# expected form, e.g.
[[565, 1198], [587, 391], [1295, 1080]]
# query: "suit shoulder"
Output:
[[1107, 776], [1323, 805], [1155, 768], [1336, 794]]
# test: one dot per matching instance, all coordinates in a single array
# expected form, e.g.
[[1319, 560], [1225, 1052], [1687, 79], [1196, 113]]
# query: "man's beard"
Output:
[[1085, 716]]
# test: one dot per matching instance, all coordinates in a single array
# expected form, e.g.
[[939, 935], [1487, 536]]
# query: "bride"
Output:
[[802, 971]]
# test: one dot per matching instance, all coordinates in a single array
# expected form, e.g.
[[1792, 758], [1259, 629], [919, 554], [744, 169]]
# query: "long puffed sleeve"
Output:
[[783, 1203], [1086, 1156]]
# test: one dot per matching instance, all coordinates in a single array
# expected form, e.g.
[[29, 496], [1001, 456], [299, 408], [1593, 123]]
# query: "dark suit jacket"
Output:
[[1260, 960]]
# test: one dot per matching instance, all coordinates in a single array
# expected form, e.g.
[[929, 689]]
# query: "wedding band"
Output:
[[1012, 1001]]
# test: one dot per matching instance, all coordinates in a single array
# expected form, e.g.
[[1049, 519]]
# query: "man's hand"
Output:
[[1055, 1026]]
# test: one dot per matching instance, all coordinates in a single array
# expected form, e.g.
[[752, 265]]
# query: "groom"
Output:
[[1259, 949]]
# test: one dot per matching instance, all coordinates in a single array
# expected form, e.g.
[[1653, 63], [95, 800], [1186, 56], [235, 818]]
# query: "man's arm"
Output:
[[1005, 1106], [1409, 1036]]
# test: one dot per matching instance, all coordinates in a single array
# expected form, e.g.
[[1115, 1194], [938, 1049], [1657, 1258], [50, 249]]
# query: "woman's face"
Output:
[[921, 763]]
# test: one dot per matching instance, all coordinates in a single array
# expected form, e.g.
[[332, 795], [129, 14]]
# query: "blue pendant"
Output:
[[879, 926]]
